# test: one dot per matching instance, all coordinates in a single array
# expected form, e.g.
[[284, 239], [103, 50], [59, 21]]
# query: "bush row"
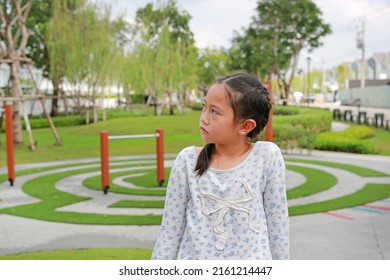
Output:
[[316, 120], [74, 120], [344, 145], [286, 110], [293, 128], [350, 140], [290, 138], [296, 128], [37, 123]]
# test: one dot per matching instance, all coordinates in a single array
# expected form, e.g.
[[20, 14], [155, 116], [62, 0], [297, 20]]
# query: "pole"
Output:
[[308, 80], [10, 143], [105, 178], [268, 129], [160, 156]]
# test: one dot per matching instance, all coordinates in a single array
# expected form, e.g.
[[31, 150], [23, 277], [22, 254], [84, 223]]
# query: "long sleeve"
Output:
[[174, 217], [275, 205]]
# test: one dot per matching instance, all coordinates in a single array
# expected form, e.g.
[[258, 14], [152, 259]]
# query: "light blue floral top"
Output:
[[238, 213]]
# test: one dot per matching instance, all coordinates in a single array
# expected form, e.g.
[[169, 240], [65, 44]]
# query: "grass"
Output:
[[138, 204], [316, 181], [84, 254], [43, 188], [370, 193], [94, 183], [381, 141], [360, 171], [84, 142]]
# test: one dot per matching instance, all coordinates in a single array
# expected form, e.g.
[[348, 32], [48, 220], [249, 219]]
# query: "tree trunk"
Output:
[[54, 101], [14, 76]]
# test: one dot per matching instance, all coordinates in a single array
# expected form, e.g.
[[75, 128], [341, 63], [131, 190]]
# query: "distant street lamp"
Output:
[[308, 79]]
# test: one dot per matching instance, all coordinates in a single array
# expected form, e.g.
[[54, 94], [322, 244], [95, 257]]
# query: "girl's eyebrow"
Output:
[[212, 105]]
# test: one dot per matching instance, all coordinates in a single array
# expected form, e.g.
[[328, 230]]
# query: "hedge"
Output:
[[316, 120], [290, 138], [350, 140]]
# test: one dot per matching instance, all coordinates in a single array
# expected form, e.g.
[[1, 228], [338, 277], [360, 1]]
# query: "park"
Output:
[[63, 187]]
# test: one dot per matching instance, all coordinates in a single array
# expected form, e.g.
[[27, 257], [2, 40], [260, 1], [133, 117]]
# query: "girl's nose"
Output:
[[203, 118]]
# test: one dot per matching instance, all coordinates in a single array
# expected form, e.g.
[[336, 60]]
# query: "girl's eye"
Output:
[[213, 111]]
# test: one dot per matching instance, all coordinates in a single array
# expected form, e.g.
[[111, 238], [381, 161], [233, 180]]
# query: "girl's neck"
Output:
[[226, 157]]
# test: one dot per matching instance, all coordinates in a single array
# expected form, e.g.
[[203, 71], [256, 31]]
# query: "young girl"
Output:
[[227, 200]]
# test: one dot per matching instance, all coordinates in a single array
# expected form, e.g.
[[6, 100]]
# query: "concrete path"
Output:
[[357, 234]]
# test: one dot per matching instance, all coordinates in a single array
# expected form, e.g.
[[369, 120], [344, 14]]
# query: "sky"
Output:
[[215, 21]]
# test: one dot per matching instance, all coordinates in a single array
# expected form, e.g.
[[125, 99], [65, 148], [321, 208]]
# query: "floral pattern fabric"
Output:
[[238, 213]]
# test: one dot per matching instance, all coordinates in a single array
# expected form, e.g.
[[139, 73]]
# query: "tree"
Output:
[[14, 36], [81, 41], [212, 63], [342, 75], [276, 36], [165, 48], [54, 41], [48, 21]]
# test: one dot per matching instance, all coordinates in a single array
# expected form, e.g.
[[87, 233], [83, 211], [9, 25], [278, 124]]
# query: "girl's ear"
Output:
[[247, 126]]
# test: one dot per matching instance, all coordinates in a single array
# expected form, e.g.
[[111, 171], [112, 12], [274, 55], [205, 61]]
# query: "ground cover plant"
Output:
[[84, 254]]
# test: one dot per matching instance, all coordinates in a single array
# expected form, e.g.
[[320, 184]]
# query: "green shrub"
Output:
[[348, 145], [138, 98], [290, 138], [285, 110], [349, 140], [197, 106], [354, 132], [316, 120], [58, 122], [75, 120]]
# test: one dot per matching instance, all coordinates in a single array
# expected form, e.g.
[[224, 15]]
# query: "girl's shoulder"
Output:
[[188, 153], [266, 146]]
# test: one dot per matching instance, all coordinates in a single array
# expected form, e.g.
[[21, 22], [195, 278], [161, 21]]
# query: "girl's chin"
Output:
[[205, 139]]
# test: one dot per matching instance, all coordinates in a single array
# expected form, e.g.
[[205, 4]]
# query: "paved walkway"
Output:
[[333, 235]]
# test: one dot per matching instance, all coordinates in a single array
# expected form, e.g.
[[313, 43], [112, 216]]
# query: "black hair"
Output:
[[249, 100]]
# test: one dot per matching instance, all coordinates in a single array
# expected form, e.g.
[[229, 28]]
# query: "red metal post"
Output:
[[10, 143], [160, 156], [269, 135], [104, 161]]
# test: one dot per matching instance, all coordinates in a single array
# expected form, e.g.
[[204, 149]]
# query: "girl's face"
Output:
[[217, 123]]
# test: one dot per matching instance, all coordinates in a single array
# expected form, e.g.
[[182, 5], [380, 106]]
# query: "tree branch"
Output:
[[22, 24]]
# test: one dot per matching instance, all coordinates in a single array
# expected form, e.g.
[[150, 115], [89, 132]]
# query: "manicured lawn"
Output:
[[370, 193], [84, 254], [381, 140], [316, 181], [43, 188], [83, 141]]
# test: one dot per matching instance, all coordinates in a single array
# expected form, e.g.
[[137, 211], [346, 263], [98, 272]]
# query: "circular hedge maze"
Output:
[[71, 192]]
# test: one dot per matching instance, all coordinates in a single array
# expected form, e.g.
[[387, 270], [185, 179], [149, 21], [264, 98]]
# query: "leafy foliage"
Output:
[[350, 140], [271, 44], [165, 47]]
